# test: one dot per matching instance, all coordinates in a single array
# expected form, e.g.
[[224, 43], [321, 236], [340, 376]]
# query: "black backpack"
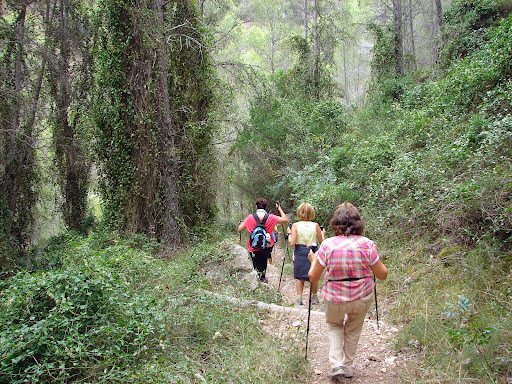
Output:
[[258, 237]]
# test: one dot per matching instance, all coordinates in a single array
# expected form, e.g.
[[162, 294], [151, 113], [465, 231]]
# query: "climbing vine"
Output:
[[18, 166], [152, 114]]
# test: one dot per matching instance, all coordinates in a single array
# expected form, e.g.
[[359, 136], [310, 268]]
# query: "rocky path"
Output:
[[376, 362]]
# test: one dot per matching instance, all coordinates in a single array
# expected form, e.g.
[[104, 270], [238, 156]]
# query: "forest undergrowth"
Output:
[[102, 309], [106, 309]]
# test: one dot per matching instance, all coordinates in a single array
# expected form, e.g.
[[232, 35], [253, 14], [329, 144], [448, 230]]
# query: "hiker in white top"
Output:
[[303, 235]]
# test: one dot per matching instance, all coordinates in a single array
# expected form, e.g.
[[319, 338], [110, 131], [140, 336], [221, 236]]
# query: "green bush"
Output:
[[112, 311], [465, 25]]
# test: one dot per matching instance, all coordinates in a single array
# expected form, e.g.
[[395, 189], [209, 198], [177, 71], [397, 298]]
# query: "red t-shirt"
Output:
[[250, 224]]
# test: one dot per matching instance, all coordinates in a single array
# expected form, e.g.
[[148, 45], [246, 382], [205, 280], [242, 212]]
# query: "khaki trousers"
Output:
[[344, 325]]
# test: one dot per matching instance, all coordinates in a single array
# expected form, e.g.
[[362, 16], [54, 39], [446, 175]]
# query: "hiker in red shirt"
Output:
[[260, 256]]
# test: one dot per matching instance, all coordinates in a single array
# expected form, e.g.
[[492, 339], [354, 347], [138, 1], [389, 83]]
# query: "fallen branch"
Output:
[[258, 304]]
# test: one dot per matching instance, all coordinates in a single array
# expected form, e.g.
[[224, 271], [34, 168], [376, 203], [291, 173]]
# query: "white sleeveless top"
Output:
[[306, 233]]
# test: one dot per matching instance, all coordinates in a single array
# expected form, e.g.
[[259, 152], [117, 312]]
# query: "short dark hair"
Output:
[[261, 203], [347, 220]]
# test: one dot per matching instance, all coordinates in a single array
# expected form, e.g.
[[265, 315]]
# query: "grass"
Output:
[[453, 307]]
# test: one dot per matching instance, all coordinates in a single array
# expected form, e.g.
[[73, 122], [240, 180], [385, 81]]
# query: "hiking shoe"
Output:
[[298, 302], [314, 300], [264, 279], [336, 373], [348, 372], [341, 371]]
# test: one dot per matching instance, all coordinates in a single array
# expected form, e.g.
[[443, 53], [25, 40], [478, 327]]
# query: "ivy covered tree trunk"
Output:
[[399, 50], [152, 114], [18, 170]]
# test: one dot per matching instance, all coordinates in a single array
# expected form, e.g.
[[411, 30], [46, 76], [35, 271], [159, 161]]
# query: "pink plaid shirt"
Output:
[[347, 257]]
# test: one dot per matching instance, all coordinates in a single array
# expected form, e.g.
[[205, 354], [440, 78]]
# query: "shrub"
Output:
[[115, 313]]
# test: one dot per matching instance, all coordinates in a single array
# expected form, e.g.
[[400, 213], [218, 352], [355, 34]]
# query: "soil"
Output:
[[376, 361]]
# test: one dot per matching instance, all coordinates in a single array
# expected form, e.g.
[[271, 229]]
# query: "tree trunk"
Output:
[[201, 7], [72, 166], [344, 54], [315, 28], [19, 177], [439, 13], [8, 179], [65, 147], [272, 48], [397, 14], [170, 234], [305, 20], [411, 27], [316, 52]]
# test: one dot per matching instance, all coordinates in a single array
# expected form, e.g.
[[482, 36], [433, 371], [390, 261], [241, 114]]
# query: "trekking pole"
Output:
[[314, 248], [240, 240], [376, 306], [307, 329], [284, 258]]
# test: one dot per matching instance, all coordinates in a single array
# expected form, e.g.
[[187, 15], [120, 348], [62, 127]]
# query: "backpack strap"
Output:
[[258, 221]]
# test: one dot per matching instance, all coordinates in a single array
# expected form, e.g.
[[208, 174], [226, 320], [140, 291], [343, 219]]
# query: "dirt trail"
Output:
[[375, 362]]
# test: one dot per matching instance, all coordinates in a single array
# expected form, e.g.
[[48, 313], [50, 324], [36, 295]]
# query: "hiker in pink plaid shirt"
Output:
[[348, 259]]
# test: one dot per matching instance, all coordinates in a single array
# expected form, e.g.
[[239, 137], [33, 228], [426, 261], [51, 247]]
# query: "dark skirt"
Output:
[[301, 263]]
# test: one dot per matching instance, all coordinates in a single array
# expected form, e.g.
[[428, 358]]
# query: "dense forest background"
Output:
[[144, 126]]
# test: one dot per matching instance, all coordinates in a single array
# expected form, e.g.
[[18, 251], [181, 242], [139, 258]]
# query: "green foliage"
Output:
[[385, 69], [285, 139], [154, 144], [58, 324], [113, 312], [464, 28]]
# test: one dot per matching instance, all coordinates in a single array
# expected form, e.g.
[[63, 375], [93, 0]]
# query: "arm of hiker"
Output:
[[283, 219], [241, 226], [316, 269], [320, 234], [380, 270], [292, 238]]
